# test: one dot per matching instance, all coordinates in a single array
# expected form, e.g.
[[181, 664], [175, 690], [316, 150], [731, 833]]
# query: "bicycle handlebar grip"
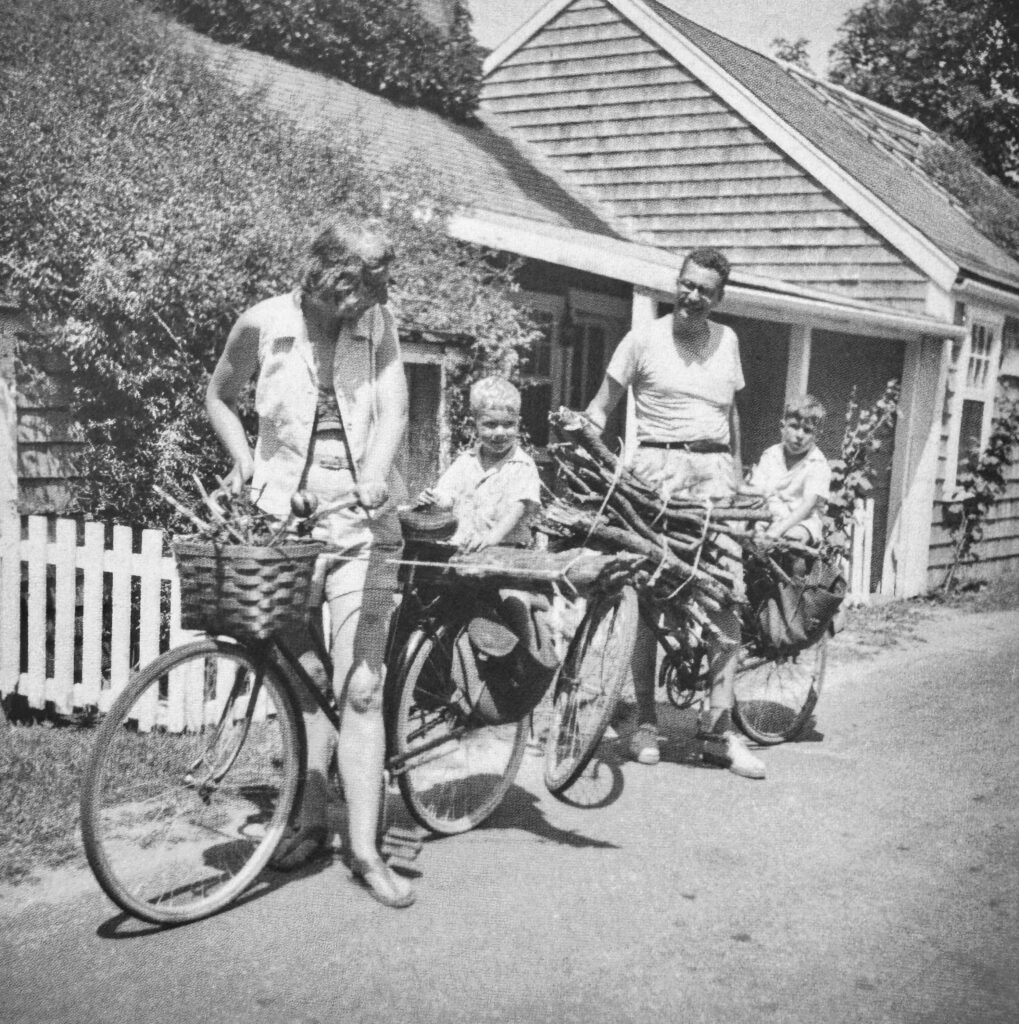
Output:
[[303, 504]]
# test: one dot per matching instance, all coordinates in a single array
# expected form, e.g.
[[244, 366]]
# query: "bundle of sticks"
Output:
[[686, 545]]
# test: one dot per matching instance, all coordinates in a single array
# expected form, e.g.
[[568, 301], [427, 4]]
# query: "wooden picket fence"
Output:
[[77, 613], [861, 551]]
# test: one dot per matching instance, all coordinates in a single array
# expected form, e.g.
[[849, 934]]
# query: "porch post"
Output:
[[798, 369], [10, 522], [914, 466], [643, 312]]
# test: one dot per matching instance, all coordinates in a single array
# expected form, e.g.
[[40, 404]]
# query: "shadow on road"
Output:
[[124, 926], [520, 809]]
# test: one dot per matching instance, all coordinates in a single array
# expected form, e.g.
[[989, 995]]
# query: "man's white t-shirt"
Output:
[[679, 396]]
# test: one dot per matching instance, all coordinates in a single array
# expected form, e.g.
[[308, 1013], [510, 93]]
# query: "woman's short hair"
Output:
[[494, 393], [347, 251], [808, 410]]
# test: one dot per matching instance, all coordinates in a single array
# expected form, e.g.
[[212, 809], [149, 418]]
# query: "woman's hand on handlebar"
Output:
[[372, 493]]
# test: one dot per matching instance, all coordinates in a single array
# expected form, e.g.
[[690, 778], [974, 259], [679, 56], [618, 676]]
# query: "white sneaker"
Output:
[[729, 750], [644, 745]]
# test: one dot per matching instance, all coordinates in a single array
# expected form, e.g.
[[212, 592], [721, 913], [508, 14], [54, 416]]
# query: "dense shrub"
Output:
[[387, 48], [148, 206], [992, 205]]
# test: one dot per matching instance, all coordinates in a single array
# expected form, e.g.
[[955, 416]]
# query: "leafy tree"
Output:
[[150, 206], [953, 64], [792, 52]]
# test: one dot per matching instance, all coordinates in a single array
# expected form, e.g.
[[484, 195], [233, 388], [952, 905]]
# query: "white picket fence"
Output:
[[93, 612], [73, 658], [861, 550]]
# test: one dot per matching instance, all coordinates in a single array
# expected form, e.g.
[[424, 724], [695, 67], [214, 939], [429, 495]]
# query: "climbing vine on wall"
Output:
[[981, 480]]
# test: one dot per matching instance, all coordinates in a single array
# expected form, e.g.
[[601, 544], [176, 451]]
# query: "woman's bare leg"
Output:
[[360, 624]]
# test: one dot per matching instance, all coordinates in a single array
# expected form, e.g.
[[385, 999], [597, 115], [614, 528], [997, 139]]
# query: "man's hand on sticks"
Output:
[[606, 505]]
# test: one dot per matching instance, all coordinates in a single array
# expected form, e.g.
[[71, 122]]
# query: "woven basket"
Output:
[[241, 590]]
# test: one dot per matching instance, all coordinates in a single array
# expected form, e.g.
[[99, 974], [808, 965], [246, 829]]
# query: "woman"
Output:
[[331, 399]]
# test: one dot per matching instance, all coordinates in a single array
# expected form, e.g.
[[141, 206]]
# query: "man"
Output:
[[685, 370]]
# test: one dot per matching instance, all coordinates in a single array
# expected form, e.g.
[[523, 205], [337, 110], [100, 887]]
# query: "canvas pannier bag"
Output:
[[503, 674], [793, 614]]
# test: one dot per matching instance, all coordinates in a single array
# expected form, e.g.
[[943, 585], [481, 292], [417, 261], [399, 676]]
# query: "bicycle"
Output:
[[776, 689], [198, 765]]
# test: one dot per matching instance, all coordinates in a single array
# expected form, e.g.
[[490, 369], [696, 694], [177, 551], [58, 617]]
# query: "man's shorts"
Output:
[[674, 473]]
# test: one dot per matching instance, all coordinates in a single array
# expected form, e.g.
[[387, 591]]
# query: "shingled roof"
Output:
[[481, 167], [879, 149]]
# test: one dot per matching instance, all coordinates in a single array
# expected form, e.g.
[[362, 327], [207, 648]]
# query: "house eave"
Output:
[[911, 242], [655, 270], [976, 290]]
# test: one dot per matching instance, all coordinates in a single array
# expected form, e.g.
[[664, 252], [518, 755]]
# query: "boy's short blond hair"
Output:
[[494, 393], [808, 410]]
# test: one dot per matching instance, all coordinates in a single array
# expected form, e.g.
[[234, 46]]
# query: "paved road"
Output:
[[872, 878]]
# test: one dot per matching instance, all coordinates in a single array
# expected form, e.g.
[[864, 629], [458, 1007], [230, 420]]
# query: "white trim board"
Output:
[[655, 270], [910, 242]]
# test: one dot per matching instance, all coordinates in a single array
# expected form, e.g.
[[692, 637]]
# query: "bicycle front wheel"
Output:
[[191, 782], [589, 684], [776, 697], [452, 771]]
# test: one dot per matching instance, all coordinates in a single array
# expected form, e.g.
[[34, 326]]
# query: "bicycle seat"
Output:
[[427, 523]]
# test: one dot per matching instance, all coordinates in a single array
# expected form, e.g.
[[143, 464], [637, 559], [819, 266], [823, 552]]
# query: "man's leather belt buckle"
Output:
[[697, 447], [331, 462]]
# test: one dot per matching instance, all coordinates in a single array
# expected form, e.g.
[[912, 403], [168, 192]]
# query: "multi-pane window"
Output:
[[976, 375], [536, 377], [978, 370]]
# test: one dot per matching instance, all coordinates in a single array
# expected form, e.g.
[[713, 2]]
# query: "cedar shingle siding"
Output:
[[676, 166]]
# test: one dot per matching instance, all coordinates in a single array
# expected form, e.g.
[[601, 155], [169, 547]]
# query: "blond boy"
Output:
[[493, 488]]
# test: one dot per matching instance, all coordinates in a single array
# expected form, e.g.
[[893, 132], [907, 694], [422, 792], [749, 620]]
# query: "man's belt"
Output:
[[698, 447]]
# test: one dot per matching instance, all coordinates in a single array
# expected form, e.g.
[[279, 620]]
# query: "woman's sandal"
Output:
[[377, 877], [300, 845]]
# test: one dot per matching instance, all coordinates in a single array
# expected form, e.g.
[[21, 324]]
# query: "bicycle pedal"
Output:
[[401, 844]]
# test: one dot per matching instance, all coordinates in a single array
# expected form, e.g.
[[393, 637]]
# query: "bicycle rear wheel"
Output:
[[776, 697], [452, 771], [589, 684], [191, 782]]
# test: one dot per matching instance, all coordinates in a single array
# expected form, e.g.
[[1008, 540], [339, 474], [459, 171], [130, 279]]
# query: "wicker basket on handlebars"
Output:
[[241, 590]]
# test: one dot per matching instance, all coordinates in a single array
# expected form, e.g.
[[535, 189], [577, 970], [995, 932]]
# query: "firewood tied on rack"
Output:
[[686, 545]]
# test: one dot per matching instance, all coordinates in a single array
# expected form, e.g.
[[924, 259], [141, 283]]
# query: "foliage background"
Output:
[[387, 47], [150, 206], [952, 64]]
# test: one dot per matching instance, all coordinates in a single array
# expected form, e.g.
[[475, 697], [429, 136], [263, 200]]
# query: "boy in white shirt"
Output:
[[493, 488], [794, 476]]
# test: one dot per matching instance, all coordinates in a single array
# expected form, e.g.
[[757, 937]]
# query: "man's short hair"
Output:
[[345, 248], [807, 410], [494, 393], [710, 259]]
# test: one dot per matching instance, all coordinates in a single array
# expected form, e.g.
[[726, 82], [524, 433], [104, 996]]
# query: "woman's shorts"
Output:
[[362, 548]]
